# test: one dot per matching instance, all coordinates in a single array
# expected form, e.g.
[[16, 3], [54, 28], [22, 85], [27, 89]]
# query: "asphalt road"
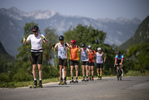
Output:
[[130, 88]]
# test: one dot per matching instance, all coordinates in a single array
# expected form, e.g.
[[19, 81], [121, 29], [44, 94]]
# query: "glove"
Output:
[[66, 44], [42, 37], [24, 39], [53, 45]]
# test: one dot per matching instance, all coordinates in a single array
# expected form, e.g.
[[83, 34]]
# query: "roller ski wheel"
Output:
[[83, 80], [39, 86], [76, 81], [72, 81], [34, 86]]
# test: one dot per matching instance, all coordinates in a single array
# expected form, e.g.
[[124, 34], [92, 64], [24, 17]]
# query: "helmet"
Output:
[[118, 52], [61, 38], [98, 48], [89, 46], [35, 28], [73, 42], [83, 45]]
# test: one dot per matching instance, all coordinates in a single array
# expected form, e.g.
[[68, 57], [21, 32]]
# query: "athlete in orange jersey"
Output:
[[74, 57], [91, 61]]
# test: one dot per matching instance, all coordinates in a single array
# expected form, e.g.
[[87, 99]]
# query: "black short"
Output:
[[99, 65], [63, 62], [84, 62], [73, 62], [91, 64], [36, 57]]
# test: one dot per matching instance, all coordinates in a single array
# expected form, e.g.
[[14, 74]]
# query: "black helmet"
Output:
[[118, 52], [35, 28], [83, 45], [61, 38]]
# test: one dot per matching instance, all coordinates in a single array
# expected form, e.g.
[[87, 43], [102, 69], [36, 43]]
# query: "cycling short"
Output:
[[73, 62], [91, 64], [99, 65], [36, 57], [84, 62], [62, 62]]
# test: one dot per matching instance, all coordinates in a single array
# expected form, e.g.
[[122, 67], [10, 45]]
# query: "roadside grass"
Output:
[[28, 83]]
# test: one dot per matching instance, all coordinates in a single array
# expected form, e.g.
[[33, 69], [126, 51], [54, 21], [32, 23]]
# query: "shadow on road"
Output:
[[56, 86]]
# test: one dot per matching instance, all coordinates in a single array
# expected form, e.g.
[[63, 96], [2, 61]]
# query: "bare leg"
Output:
[[40, 71], [83, 70], [71, 71], [76, 68], [34, 71], [60, 70]]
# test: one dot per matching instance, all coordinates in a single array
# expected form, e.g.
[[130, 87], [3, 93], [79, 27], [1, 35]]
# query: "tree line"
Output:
[[136, 58]]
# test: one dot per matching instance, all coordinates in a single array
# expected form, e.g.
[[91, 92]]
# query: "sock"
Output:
[[35, 79], [87, 76], [40, 79], [76, 78], [65, 78], [61, 78], [92, 76], [72, 77]]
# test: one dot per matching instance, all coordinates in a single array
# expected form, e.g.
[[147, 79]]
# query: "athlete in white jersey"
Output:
[[62, 57], [100, 59], [84, 58], [36, 52]]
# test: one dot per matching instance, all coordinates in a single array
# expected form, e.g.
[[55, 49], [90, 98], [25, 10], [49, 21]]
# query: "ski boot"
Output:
[[100, 77], [72, 81], [92, 79], [35, 84], [65, 83], [61, 82], [40, 84], [76, 81], [87, 79]]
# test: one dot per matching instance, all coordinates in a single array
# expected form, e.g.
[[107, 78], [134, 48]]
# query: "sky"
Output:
[[85, 8]]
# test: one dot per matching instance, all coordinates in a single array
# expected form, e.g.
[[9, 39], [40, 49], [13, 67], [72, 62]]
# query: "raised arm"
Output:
[[54, 46], [44, 39]]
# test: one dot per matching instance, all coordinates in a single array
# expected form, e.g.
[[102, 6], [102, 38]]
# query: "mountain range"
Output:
[[13, 20], [141, 35]]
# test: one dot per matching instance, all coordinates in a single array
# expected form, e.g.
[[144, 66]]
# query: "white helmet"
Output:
[[89, 46], [98, 48]]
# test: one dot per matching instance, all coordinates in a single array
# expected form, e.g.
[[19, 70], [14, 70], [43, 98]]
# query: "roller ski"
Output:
[[36, 86], [72, 81], [99, 78], [65, 83], [83, 80], [61, 82], [92, 79]]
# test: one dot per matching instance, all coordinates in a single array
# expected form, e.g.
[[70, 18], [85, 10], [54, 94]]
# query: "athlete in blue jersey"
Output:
[[119, 60]]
